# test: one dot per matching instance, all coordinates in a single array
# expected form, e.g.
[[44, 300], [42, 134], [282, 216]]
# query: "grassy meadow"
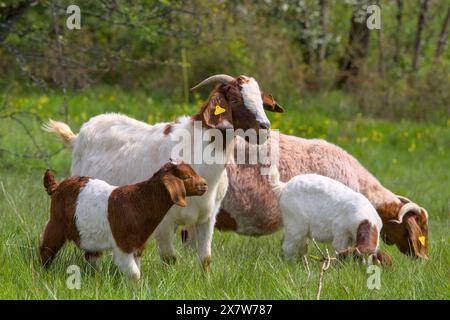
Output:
[[410, 158]]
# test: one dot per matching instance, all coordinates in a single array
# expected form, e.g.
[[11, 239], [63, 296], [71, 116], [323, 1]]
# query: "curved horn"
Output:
[[426, 213], [403, 199], [223, 78], [409, 207]]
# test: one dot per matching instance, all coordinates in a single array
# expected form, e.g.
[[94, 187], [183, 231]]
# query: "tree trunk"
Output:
[[398, 17], [305, 41], [357, 50], [323, 19], [443, 36], [322, 45], [420, 27], [380, 53], [10, 15], [380, 43]]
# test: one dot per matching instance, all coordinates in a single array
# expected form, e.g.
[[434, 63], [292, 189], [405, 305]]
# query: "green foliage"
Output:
[[138, 45]]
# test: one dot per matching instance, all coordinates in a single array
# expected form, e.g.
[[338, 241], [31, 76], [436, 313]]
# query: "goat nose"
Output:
[[264, 125]]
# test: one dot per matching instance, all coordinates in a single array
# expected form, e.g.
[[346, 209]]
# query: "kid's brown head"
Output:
[[182, 181]]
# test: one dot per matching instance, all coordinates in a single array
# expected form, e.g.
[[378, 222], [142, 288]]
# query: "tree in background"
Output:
[[358, 45], [421, 22], [294, 47], [443, 35]]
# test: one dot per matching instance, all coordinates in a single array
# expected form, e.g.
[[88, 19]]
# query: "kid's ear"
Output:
[[176, 189], [270, 104]]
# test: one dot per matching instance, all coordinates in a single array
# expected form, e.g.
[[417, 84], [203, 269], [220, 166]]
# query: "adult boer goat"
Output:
[[251, 208], [121, 150]]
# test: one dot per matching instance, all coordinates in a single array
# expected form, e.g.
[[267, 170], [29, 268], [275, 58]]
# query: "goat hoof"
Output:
[[136, 277], [206, 264], [384, 259], [133, 278], [170, 260], [343, 254]]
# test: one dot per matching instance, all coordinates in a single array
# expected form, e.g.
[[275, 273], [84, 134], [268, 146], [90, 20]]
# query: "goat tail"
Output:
[[61, 130], [50, 183], [275, 182]]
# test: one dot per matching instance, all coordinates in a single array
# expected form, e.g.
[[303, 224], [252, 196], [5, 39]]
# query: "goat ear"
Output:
[[217, 114], [270, 104], [176, 189], [417, 240]]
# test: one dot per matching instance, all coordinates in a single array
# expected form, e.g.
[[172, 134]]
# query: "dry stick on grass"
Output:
[[326, 262], [325, 265]]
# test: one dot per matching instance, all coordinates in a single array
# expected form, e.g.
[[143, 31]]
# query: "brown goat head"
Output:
[[181, 180], [406, 226], [236, 103]]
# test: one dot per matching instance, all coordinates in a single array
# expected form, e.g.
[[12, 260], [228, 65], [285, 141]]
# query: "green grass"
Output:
[[412, 159]]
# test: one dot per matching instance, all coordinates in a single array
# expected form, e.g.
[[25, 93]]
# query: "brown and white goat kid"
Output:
[[98, 216], [315, 206]]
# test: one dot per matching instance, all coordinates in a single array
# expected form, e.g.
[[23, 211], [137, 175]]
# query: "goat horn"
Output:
[[426, 212], [403, 199], [408, 207], [223, 78]]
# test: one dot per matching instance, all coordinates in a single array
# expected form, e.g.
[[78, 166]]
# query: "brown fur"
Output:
[[251, 203], [270, 104], [366, 245], [134, 211], [406, 235], [61, 225], [50, 183], [236, 116], [168, 128], [224, 222], [367, 238]]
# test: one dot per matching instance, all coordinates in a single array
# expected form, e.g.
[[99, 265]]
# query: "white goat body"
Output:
[[121, 150], [314, 206]]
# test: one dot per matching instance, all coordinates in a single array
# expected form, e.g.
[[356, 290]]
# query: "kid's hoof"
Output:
[[384, 259], [206, 264], [343, 254], [134, 277], [170, 260]]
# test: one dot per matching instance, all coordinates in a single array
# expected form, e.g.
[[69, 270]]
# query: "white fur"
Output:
[[253, 101], [91, 216], [314, 206], [91, 219], [122, 150], [61, 129]]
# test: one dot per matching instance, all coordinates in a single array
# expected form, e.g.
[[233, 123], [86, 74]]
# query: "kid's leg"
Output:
[[127, 264], [52, 240], [93, 258]]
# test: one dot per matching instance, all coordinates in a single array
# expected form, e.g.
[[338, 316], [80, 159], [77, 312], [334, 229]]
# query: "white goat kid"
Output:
[[314, 206], [121, 150]]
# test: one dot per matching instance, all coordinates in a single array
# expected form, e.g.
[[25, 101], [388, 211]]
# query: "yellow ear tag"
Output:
[[422, 240], [219, 110]]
